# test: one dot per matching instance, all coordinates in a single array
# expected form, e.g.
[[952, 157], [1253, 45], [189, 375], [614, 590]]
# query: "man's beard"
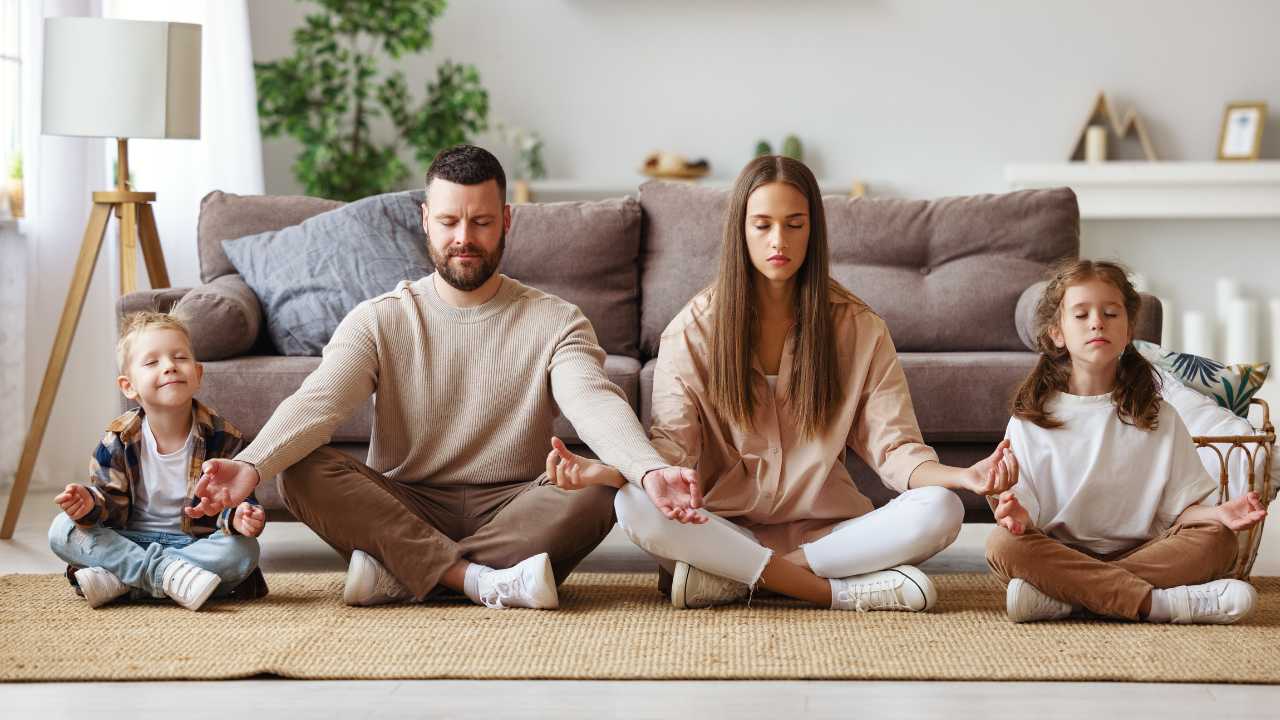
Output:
[[466, 277]]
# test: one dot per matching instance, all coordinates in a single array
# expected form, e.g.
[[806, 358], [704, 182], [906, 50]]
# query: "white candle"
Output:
[[1197, 334], [1227, 290], [1168, 324], [1242, 344], [1095, 144]]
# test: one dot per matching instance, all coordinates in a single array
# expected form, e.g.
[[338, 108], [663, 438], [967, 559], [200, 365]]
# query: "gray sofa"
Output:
[[954, 279]]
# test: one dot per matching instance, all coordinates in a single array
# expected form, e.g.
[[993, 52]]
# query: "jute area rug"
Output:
[[610, 626]]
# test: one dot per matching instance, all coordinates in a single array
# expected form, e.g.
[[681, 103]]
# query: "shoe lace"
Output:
[[871, 595], [502, 590], [1202, 602]]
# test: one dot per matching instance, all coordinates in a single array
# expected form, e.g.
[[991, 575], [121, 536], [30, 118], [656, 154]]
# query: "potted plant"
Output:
[[326, 94], [16, 196]]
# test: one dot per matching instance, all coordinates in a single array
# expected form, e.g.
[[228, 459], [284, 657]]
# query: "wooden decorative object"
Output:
[[137, 232], [1101, 114]]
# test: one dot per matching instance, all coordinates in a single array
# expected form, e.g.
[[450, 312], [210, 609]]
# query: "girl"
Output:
[[762, 383], [1108, 514]]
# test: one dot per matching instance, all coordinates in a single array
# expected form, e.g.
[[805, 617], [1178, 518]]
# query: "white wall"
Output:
[[918, 98]]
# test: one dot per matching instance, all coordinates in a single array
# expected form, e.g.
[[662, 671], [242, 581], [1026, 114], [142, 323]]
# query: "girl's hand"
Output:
[[76, 501], [574, 472], [1242, 513], [1010, 514], [249, 519], [996, 473]]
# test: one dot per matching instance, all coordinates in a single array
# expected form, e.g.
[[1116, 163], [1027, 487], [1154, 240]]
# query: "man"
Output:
[[468, 367]]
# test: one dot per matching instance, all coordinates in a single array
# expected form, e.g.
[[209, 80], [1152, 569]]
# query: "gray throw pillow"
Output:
[[309, 276]]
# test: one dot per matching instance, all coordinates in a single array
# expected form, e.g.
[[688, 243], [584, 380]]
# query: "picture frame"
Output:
[[1241, 135]]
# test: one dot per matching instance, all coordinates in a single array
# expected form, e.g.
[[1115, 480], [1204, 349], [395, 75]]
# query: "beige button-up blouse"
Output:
[[784, 488]]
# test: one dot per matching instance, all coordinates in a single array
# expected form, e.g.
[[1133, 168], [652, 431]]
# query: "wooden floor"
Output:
[[293, 547]]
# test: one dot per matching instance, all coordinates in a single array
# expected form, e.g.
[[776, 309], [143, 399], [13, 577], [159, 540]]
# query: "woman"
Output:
[[763, 380]]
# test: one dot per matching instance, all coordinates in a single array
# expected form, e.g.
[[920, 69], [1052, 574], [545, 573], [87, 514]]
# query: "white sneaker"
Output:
[[900, 588], [99, 586], [189, 585], [693, 588], [1220, 602], [528, 584], [1025, 603], [368, 583]]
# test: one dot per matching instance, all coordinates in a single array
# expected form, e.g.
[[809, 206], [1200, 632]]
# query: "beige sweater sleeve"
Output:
[[347, 376], [598, 410]]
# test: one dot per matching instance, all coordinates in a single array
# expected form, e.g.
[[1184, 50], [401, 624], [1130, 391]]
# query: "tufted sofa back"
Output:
[[945, 274]]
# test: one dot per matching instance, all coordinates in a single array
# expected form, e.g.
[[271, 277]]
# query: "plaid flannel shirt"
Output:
[[116, 466]]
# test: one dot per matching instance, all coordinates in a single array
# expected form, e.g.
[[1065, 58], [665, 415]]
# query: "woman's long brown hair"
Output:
[[1137, 391], [813, 388]]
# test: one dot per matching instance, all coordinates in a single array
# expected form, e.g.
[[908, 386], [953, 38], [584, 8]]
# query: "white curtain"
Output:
[[61, 174]]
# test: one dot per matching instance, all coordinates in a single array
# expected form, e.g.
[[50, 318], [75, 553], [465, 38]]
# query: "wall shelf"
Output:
[[1160, 190]]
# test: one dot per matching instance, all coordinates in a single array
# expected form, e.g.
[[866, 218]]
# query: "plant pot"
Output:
[[16, 198]]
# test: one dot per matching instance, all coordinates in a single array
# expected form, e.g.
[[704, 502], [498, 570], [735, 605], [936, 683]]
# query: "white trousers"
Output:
[[910, 529]]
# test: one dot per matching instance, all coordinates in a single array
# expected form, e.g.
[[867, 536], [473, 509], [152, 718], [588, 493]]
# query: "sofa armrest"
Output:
[[224, 317], [1148, 326]]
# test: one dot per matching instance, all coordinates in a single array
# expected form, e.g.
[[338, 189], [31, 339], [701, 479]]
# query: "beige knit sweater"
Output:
[[462, 395]]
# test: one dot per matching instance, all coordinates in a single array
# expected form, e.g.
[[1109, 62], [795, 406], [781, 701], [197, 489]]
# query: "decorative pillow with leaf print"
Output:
[[1230, 385]]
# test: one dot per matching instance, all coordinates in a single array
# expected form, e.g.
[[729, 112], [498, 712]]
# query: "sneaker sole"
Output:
[[922, 582], [549, 580], [358, 574], [679, 580]]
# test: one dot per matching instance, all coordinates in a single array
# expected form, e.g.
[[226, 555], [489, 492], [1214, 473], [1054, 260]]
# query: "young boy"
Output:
[[128, 528]]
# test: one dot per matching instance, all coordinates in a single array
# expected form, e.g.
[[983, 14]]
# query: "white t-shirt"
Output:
[[162, 493], [1102, 485]]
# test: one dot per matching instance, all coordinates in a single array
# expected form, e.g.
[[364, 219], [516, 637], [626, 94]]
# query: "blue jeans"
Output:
[[139, 559]]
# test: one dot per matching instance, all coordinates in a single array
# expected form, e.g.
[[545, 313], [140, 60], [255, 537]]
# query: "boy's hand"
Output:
[[574, 472], [996, 473], [1242, 513], [1010, 514], [76, 501], [249, 519], [223, 484]]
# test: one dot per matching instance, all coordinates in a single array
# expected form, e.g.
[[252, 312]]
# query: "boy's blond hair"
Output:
[[137, 323]]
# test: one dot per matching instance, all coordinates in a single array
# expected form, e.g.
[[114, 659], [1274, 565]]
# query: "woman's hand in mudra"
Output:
[[995, 473]]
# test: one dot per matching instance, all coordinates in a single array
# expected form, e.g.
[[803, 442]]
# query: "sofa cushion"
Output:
[[583, 252], [958, 396], [224, 317], [586, 253], [946, 274], [247, 390], [225, 216], [309, 276]]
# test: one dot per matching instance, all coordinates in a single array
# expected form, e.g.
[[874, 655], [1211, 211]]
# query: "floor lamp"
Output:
[[115, 79]]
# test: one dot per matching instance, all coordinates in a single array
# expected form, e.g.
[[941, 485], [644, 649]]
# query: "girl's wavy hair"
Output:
[[1137, 391]]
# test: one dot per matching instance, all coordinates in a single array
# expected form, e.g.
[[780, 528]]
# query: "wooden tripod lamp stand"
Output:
[[153, 92]]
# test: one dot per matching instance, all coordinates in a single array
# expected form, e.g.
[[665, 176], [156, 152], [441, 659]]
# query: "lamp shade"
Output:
[[121, 78]]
